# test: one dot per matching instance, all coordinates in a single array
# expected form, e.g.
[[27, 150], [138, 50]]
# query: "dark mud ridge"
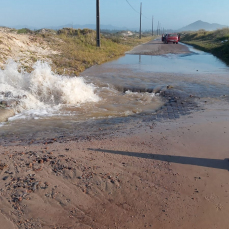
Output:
[[177, 103], [141, 89]]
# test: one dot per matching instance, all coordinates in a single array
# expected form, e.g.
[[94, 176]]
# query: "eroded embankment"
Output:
[[23, 48]]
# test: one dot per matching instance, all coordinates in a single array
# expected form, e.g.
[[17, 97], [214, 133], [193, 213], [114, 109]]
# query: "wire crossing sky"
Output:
[[132, 7], [136, 10], [120, 13]]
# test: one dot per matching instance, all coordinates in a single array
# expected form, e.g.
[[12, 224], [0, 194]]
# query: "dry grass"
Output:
[[78, 49], [215, 42], [70, 51]]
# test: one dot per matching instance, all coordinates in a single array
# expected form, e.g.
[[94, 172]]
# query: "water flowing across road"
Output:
[[130, 86]]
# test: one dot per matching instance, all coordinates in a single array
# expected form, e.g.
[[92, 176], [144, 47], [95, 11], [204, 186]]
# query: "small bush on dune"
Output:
[[219, 33], [75, 32], [25, 31], [86, 36]]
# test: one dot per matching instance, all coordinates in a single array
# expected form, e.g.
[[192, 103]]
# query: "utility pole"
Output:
[[140, 32], [97, 24], [152, 25], [159, 28]]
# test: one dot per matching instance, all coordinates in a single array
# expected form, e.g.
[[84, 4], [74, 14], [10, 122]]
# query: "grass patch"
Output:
[[78, 49], [24, 31], [215, 42]]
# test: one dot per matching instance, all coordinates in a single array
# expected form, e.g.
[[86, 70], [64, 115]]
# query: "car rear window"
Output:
[[172, 35]]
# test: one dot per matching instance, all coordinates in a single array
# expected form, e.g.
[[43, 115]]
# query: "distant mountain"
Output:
[[202, 25], [88, 26], [24, 26]]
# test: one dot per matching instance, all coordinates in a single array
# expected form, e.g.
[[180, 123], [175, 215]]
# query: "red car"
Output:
[[171, 37]]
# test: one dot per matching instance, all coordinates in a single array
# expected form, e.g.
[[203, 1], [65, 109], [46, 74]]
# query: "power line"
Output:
[[132, 7], [145, 17], [136, 10]]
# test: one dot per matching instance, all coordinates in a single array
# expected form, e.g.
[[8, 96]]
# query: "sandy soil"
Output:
[[23, 48], [169, 175], [157, 47], [5, 114]]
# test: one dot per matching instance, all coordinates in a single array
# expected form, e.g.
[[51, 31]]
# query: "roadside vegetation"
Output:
[[77, 50], [215, 42], [24, 31]]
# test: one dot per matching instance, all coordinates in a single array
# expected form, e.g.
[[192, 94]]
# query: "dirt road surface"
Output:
[[163, 175]]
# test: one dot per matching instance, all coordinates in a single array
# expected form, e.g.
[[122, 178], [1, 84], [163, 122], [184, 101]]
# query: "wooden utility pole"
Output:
[[97, 24], [158, 28], [140, 32], [152, 25]]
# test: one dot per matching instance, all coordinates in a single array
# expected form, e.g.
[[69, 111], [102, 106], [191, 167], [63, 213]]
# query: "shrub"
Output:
[[215, 42], [75, 32], [25, 31]]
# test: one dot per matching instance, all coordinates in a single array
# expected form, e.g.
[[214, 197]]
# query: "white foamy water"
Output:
[[42, 92]]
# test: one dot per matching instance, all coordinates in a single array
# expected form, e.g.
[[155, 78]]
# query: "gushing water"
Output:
[[43, 94], [42, 91]]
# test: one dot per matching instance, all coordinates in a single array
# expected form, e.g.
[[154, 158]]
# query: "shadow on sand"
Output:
[[205, 162]]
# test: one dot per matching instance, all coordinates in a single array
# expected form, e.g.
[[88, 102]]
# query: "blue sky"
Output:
[[171, 14]]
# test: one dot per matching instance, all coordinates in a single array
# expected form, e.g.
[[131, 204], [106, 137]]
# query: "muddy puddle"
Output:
[[198, 72], [124, 90], [196, 62]]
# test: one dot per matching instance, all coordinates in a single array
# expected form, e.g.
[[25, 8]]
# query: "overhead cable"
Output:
[[136, 10]]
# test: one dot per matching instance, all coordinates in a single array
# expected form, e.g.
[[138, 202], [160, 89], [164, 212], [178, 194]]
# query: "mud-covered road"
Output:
[[161, 169]]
